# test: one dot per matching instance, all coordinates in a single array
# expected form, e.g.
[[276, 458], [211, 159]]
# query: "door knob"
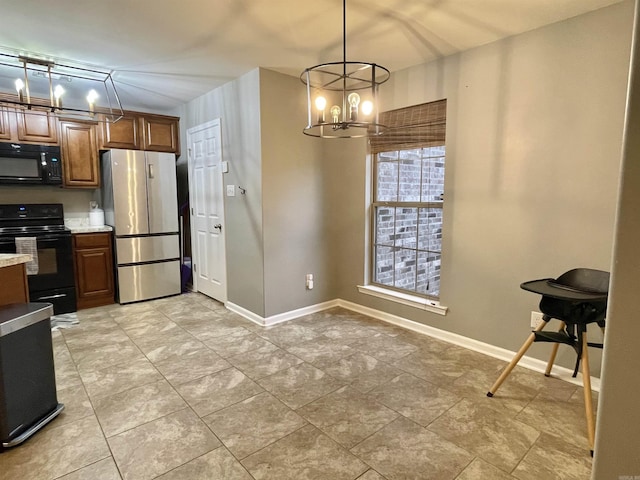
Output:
[[218, 226]]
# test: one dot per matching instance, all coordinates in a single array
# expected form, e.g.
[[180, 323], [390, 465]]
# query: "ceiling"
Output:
[[164, 53]]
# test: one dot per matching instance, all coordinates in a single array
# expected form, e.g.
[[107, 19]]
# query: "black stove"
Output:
[[52, 280], [33, 229], [32, 216]]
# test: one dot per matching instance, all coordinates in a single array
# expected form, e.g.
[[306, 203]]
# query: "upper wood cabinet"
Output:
[[5, 125], [79, 147], [121, 134], [141, 131], [135, 131], [36, 126], [22, 125], [160, 134]]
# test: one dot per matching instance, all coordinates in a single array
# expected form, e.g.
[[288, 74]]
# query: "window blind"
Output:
[[417, 126]]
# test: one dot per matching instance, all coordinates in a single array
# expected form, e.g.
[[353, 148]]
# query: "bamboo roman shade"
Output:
[[412, 127]]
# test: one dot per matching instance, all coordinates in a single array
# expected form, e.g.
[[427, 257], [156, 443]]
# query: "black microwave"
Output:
[[24, 164]]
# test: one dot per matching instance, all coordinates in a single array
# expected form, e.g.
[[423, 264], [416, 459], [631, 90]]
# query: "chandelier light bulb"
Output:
[[57, 94], [335, 113], [19, 86], [354, 101], [321, 103], [367, 107], [91, 98]]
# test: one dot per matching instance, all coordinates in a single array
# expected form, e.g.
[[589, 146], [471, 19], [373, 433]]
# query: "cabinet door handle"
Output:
[[150, 170]]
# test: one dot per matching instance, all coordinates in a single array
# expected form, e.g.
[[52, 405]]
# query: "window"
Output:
[[408, 195]]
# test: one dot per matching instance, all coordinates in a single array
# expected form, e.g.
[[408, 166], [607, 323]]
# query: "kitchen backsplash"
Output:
[[75, 202]]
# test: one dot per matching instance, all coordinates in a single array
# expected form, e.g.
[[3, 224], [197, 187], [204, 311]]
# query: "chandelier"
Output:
[[351, 88], [71, 91]]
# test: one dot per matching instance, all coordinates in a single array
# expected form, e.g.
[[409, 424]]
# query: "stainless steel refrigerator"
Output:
[[140, 202]]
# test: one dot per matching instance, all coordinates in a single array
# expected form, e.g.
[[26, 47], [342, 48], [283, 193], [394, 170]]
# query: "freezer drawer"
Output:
[[147, 249], [151, 280]]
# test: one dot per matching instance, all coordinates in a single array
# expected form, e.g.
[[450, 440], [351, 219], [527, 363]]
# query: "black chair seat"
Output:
[[577, 298]]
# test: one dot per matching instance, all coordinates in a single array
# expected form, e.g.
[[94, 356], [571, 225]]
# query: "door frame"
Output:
[[216, 122]]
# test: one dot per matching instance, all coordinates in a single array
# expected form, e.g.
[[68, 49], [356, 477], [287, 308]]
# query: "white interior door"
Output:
[[207, 210]]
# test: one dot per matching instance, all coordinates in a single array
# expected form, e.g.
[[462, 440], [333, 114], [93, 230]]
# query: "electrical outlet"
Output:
[[309, 281], [536, 319]]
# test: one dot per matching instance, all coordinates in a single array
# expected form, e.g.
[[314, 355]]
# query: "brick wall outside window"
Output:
[[407, 219]]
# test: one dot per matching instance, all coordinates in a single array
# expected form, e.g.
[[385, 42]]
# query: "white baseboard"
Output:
[[281, 317], [475, 345], [462, 341], [243, 312]]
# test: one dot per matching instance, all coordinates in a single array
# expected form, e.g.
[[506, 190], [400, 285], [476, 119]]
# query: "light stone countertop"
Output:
[[89, 229], [81, 225], [9, 259]]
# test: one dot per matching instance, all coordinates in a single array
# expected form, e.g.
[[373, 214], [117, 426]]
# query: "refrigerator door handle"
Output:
[[151, 170]]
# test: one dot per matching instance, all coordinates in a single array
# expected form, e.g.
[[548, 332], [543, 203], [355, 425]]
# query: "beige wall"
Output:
[[237, 104], [275, 233], [534, 128], [295, 230]]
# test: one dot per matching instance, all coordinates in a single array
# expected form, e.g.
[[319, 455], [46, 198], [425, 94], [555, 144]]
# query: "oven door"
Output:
[[54, 282]]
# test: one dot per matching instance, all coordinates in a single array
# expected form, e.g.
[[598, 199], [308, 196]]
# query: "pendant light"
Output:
[[35, 83], [349, 90]]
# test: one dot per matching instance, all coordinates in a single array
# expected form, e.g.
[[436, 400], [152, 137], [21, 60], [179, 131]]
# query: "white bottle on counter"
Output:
[[96, 215]]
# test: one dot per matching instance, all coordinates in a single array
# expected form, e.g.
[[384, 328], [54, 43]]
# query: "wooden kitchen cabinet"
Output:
[[20, 125], [79, 146], [14, 284], [134, 131], [5, 126], [121, 134], [160, 134], [141, 131], [37, 125], [93, 263]]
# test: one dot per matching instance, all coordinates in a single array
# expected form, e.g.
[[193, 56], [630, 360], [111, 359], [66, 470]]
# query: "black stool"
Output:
[[576, 298]]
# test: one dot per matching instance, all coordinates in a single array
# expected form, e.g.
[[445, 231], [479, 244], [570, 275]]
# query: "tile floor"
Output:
[[180, 388]]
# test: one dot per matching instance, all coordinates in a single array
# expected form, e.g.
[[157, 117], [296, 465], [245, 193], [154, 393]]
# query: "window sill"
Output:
[[404, 298]]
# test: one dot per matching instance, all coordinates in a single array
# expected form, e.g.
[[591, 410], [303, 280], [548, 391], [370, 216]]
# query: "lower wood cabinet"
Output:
[[14, 284], [93, 255]]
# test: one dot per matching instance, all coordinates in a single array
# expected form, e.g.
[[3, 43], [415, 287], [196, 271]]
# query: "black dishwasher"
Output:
[[28, 398]]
